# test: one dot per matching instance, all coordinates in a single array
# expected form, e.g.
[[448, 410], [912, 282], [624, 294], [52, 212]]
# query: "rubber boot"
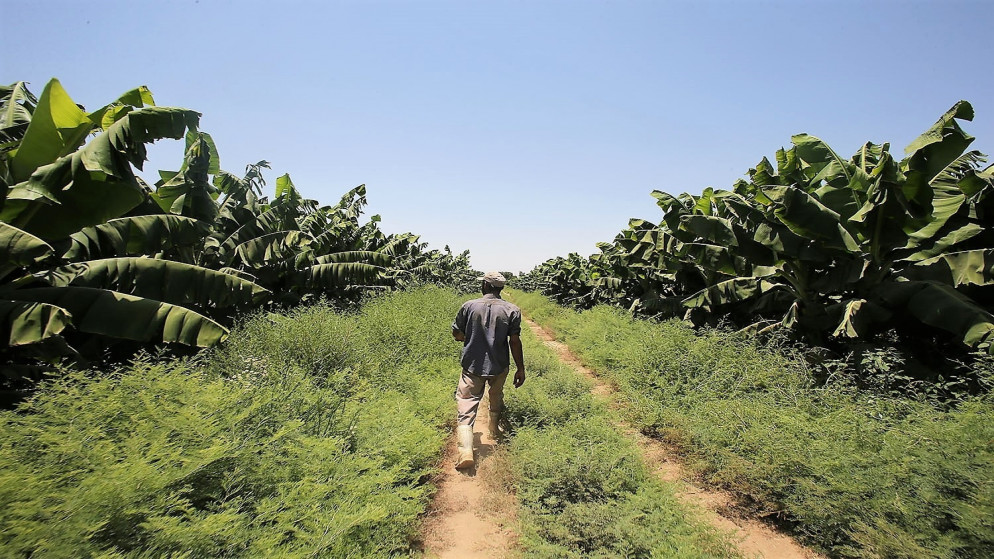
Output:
[[465, 435], [495, 431]]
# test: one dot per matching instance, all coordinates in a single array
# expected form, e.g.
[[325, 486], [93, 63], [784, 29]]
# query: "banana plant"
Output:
[[90, 254], [829, 247], [870, 218], [75, 268]]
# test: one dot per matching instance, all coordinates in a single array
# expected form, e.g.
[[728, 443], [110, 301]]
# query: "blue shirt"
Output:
[[486, 323]]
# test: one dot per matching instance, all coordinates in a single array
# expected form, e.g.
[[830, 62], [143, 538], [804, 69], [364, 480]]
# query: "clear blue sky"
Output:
[[518, 130]]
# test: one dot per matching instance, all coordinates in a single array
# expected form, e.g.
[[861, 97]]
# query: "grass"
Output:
[[315, 433], [583, 489], [309, 434], [856, 474]]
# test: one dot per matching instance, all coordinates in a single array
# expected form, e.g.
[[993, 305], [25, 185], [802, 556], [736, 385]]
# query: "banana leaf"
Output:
[[188, 192], [716, 258], [117, 315], [57, 127], [96, 182], [941, 306], [21, 248], [138, 97], [23, 323], [265, 223], [280, 246], [822, 163], [780, 239], [338, 275], [970, 267], [728, 291], [857, 317], [717, 230], [807, 217], [137, 235], [365, 256], [162, 280], [18, 103], [930, 153]]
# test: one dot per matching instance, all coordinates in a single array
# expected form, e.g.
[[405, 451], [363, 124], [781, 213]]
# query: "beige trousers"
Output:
[[469, 392]]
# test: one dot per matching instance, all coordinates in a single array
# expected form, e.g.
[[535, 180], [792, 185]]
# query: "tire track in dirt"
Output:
[[753, 537], [469, 517]]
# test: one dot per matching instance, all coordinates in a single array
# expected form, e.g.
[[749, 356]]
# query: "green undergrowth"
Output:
[[856, 474], [584, 491], [311, 433]]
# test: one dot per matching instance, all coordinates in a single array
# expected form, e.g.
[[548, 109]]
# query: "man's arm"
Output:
[[459, 325], [515, 342]]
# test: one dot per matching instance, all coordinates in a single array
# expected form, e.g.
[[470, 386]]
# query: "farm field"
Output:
[[210, 365], [319, 431]]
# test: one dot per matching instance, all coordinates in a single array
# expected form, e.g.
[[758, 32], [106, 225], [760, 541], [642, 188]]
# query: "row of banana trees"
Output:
[[827, 247], [92, 256]]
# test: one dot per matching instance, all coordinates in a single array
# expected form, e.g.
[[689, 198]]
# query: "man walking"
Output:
[[488, 327]]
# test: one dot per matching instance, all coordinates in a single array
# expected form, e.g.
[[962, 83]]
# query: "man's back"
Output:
[[489, 328], [487, 323]]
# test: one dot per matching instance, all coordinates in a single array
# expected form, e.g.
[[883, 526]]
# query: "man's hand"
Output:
[[459, 336], [514, 341]]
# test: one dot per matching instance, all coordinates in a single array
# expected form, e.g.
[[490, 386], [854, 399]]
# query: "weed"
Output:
[[860, 473], [583, 488], [311, 433]]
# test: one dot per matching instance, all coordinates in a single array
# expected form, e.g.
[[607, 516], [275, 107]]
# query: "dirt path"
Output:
[[470, 516], [755, 538]]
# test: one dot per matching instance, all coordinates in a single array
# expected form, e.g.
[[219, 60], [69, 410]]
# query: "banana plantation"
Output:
[[94, 261], [835, 251], [210, 365]]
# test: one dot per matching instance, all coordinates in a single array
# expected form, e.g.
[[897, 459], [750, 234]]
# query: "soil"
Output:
[[473, 512], [754, 537]]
